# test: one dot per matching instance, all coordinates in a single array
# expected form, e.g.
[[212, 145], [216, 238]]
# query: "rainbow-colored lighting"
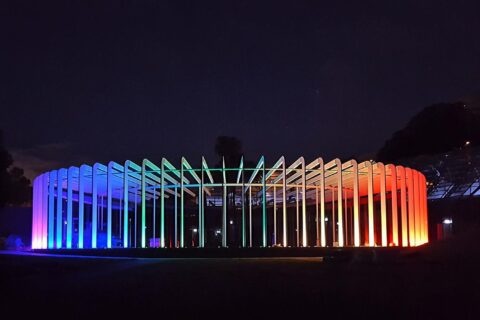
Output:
[[323, 204]]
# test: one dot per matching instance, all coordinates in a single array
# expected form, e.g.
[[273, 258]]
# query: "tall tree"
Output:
[[14, 187]]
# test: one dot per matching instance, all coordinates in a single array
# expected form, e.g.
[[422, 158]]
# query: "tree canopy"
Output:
[[436, 129], [14, 187]]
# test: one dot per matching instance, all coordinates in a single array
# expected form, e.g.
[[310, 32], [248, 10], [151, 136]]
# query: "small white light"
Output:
[[467, 143], [231, 221], [326, 219], [195, 230], [447, 221]]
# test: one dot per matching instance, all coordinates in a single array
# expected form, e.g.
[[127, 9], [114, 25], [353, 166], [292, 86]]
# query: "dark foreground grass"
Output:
[[440, 281]]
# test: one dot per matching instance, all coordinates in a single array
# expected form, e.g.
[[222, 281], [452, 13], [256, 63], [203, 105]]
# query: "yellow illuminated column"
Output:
[[411, 206], [304, 205], [340, 204], [356, 222], [323, 239], [393, 176]]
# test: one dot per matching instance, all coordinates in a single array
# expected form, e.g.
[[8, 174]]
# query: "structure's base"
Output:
[[336, 253]]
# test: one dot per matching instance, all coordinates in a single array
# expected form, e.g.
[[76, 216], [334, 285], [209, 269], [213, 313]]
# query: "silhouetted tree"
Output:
[[435, 129], [231, 149], [14, 187]]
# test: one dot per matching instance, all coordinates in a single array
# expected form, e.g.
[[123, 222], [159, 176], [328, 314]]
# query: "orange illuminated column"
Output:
[[371, 235], [356, 223], [411, 207], [418, 218], [403, 204], [424, 209], [383, 204], [393, 185]]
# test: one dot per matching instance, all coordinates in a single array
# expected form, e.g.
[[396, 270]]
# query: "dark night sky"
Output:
[[83, 81]]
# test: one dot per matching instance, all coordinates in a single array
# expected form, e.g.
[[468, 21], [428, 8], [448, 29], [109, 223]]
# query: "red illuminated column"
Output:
[[371, 230], [418, 214], [383, 204]]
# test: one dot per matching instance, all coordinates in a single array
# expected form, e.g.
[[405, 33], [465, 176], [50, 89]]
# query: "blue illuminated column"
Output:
[[143, 204], [51, 209], [69, 206], [109, 204], [61, 175], [94, 204], [181, 207], [125, 203], [81, 205]]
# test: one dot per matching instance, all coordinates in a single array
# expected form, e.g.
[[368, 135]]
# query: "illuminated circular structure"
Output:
[[324, 204]]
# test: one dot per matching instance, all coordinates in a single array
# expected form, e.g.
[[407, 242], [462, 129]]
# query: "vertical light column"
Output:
[[94, 204], [224, 206], [317, 222], [418, 220], [69, 207], [250, 214], [126, 169], [356, 222], [411, 207], [61, 175], [371, 231], [202, 212], [109, 203], [264, 207], [274, 215], [403, 205], [244, 231], [297, 216], [425, 204], [181, 208], [383, 204], [143, 204], [81, 205], [284, 195], [45, 210], [36, 210], [176, 217], [304, 205], [323, 238], [162, 204], [51, 209], [340, 203], [393, 188]]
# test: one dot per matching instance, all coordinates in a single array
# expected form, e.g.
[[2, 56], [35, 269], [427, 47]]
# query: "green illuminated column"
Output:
[[181, 209], [264, 207], [162, 205], [244, 240], [224, 207]]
